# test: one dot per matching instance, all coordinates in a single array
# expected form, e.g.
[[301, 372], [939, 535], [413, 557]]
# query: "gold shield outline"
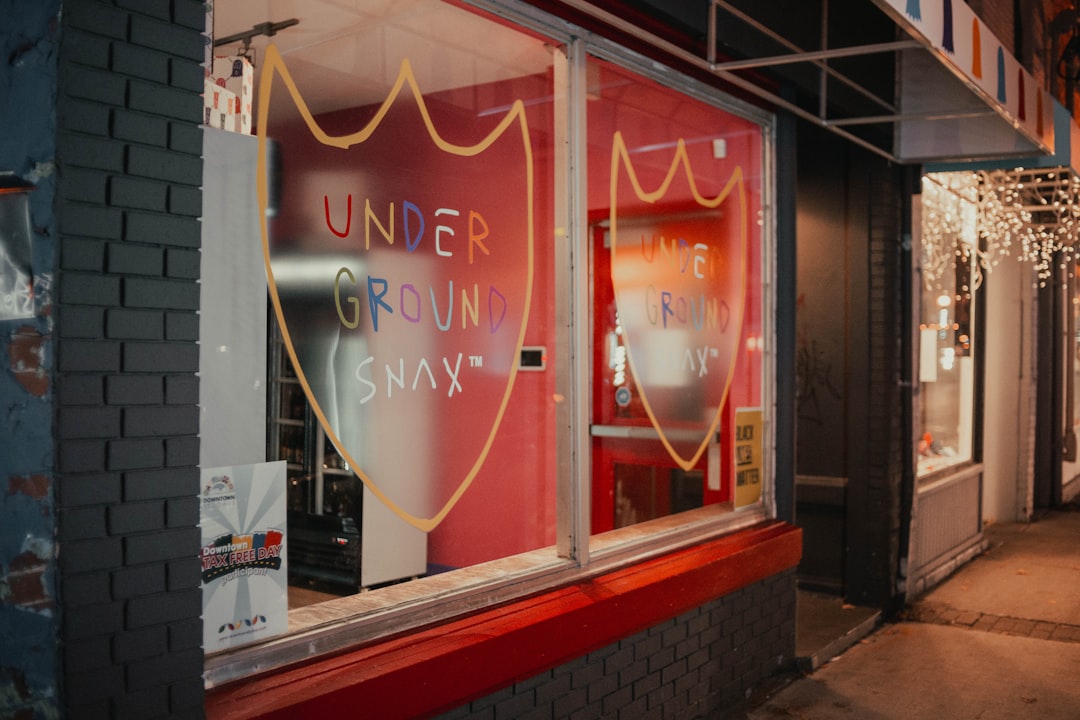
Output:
[[620, 157], [274, 65]]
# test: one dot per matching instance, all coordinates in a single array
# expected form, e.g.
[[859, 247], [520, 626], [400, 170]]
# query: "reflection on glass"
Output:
[[647, 492], [947, 332], [674, 200], [409, 260]]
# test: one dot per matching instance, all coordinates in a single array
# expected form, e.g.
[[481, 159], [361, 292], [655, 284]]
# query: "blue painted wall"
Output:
[[29, 664]]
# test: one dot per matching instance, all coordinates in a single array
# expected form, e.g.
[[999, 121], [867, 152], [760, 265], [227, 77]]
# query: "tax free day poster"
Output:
[[244, 563]]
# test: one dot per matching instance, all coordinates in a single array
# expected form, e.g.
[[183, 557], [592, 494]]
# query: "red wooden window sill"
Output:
[[442, 667]]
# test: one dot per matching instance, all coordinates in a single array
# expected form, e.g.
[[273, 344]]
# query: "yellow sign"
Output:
[[748, 453]]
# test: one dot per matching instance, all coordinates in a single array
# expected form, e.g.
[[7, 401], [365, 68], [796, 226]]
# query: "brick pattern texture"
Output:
[[926, 611], [129, 166], [874, 535], [888, 327], [702, 664]]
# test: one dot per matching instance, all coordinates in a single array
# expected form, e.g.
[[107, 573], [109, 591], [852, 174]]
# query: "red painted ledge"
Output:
[[443, 667]]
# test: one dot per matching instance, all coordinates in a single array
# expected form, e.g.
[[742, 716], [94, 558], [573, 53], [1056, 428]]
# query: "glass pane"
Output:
[[1072, 372], [674, 216], [408, 241], [947, 330]]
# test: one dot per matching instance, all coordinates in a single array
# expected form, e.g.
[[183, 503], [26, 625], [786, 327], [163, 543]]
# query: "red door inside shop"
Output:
[[635, 477]]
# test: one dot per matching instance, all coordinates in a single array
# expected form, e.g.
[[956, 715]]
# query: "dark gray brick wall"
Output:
[[887, 358], [874, 486], [129, 170], [703, 664]]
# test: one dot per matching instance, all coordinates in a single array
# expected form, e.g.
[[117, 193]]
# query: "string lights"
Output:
[[949, 239], [989, 214]]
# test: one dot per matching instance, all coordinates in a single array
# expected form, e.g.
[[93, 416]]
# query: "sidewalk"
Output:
[[998, 640]]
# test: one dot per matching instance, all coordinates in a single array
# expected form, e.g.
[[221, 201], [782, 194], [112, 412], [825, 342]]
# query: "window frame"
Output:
[[354, 620]]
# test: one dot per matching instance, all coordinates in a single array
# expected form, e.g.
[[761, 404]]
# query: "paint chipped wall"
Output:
[[29, 40]]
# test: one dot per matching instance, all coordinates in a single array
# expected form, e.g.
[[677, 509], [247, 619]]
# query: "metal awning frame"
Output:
[[728, 71], [820, 58]]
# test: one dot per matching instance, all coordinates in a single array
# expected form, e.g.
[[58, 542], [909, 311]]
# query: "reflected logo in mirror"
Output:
[[678, 268]]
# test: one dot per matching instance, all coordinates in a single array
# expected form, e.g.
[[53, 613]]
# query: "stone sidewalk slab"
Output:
[[912, 670], [997, 640], [1031, 571]]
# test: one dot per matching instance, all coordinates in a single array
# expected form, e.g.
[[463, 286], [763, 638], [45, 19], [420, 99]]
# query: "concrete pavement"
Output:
[[1030, 573], [998, 640]]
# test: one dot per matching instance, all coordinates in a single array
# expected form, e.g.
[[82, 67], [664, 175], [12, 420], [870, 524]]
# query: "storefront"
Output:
[[996, 267], [434, 350], [468, 376], [520, 350], [993, 312], [655, 456], [455, 379]]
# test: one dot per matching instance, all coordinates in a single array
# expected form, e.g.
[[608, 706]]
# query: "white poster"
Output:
[[244, 559], [232, 317], [928, 347]]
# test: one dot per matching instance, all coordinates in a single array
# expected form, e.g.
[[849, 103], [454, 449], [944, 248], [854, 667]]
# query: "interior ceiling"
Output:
[[345, 53]]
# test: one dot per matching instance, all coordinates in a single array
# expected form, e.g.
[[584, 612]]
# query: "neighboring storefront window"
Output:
[[675, 221], [947, 331], [432, 300], [1071, 420]]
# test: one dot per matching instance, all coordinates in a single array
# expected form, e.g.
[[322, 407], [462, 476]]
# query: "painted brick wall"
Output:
[[1023, 26], [1000, 18], [130, 165], [702, 664], [29, 678]]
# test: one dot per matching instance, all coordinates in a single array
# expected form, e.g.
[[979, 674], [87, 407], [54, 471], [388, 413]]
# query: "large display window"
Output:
[[518, 291], [947, 330], [410, 263], [675, 191]]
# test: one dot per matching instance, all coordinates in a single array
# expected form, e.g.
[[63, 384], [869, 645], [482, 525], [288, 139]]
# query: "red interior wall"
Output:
[[510, 506]]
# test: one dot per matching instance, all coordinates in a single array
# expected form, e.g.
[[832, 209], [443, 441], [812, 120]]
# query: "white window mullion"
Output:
[[573, 356]]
